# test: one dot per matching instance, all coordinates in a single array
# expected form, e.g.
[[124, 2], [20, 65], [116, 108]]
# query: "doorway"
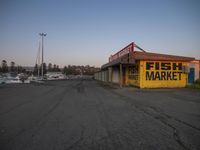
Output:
[[191, 76]]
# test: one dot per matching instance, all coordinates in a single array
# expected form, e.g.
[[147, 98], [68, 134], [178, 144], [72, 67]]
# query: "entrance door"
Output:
[[191, 76]]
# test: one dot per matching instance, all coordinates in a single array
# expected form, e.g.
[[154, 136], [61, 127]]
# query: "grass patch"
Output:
[[194, 86]]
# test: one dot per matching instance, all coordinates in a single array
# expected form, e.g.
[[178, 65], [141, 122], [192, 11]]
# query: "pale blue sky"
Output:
[[85, 32]]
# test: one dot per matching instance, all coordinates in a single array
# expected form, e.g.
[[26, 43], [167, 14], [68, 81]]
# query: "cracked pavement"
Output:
[[84, 114]]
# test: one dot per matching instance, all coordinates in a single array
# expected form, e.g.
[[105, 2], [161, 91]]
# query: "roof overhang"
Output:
[[126, 59]]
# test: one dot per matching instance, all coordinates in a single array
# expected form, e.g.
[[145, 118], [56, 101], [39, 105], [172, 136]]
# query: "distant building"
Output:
[[148, 70]]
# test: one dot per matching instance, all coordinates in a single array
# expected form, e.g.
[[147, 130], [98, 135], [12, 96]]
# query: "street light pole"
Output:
[[42, 34]]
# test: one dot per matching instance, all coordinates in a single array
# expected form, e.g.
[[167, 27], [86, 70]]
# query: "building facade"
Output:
[[148, 70]]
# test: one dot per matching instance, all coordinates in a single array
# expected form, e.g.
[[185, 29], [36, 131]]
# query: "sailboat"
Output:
[[37, 78]]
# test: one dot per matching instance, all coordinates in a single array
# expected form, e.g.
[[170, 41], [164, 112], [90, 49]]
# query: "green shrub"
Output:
[[194, 86], [197, 81]]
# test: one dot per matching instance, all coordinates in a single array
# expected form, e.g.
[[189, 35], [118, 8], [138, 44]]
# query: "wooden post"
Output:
[[120, 75], [110, 74]]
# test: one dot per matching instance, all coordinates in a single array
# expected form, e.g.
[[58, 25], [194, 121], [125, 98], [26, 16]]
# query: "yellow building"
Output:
[[147, 70]]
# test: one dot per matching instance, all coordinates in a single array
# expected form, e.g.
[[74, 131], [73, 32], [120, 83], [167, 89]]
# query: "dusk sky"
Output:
[[81, 32]]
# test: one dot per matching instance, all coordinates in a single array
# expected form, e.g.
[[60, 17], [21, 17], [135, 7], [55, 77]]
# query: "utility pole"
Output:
[[43, 35], [38, 60]]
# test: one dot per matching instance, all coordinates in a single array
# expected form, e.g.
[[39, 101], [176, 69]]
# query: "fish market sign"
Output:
[[122, 52], [163, 71]]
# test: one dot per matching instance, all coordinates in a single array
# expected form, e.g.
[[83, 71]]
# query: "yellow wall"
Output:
[[165, 75], [133, 81], [152, 74]]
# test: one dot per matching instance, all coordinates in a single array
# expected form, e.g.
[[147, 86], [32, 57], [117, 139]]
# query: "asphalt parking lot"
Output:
[[84, 114]]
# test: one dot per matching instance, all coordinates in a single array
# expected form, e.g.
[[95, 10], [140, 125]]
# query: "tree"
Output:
[[44, 68], [54, 67], [20, 69], [12, 66], [49, 67], [4, 66], [67, 70], [57, 68], [35, 71], [64, 69]]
